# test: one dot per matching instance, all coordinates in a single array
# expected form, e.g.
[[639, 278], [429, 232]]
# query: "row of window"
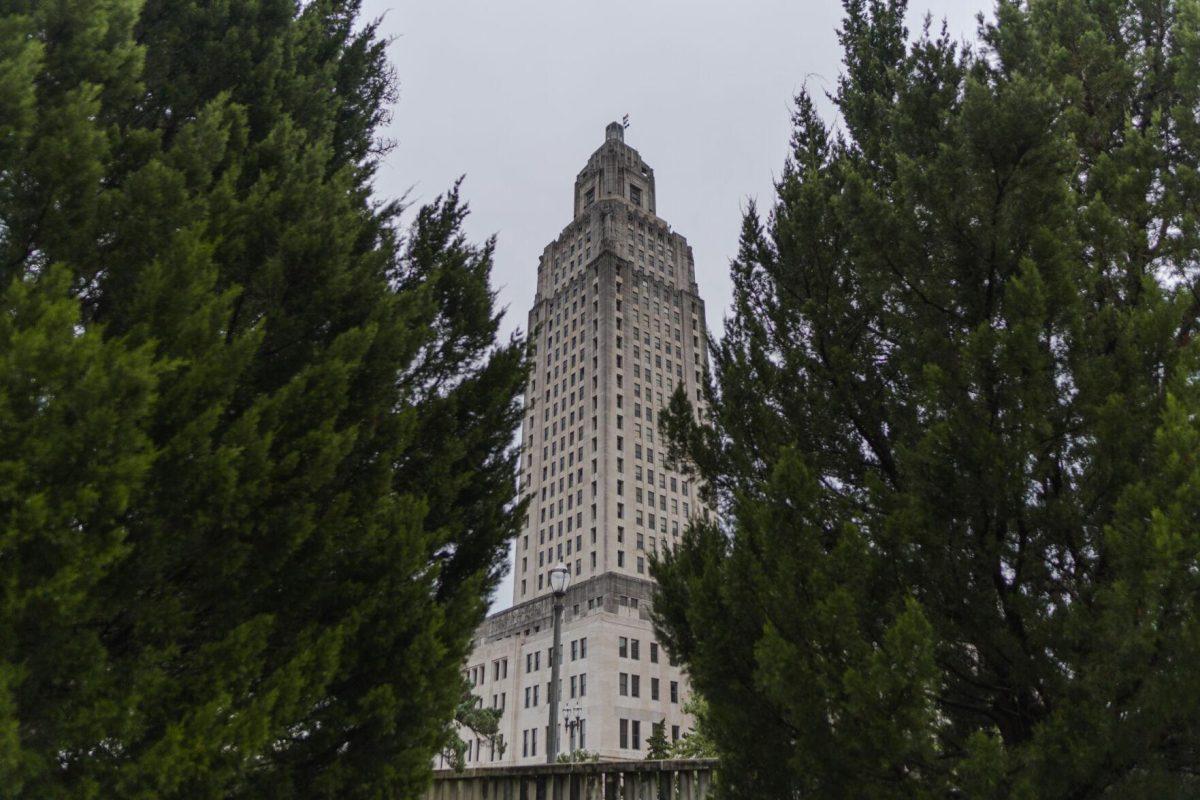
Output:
[[576, 687], [630, 733], [477, 675], [629, 684], [533, 659], [476, 746], [576, 738]]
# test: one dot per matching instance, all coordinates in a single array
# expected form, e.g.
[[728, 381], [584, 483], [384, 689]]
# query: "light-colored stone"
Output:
[[617, 325]]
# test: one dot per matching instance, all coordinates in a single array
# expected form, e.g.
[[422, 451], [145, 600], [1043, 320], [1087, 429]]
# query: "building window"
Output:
[[533, 741], [583, 647], [674, 691], [654, 688], [623, 647], [635, 195], [623, 726], [583, 686], [623, 684], [674, 733], [635, 685], [654, 652], [633, 649], [590, 197], [635, 735]]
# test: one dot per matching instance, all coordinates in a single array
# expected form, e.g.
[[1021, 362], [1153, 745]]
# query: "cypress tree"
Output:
[[953, 425], [256, 473]]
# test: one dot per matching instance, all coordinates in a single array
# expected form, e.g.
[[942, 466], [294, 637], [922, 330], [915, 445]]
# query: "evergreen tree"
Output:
[[256, 472], [657, 746], [954, 425], [698, 742], [478, 723]]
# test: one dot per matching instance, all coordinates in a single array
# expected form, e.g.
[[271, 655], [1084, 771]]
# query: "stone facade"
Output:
[[618, 326]]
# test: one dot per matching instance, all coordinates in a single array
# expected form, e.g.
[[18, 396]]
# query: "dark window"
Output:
[[654, 652], [624, 728], [635, 197], [635, 734], [674, 692]]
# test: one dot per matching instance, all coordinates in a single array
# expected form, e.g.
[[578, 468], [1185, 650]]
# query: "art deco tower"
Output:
[[618, 327]]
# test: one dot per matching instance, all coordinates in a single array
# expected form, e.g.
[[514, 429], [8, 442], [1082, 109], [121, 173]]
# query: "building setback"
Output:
[[618, 326]]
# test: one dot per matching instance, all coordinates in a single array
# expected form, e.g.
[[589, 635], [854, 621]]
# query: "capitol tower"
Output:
[[618, 327]]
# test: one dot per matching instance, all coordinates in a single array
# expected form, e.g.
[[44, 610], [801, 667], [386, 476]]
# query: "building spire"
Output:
[[614, 132]]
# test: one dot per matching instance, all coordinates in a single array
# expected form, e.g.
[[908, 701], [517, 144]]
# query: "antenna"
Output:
[[625, 121]]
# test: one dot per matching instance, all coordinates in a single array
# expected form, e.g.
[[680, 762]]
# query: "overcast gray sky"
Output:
[[515, 94]]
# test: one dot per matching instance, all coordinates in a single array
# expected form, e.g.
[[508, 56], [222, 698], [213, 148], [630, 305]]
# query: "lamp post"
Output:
[[572, 719], [560, 576]]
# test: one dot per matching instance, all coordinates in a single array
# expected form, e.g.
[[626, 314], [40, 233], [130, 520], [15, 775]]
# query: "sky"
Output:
[[515, 94]]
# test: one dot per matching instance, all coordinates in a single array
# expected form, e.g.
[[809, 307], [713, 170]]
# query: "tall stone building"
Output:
[[618, 327]]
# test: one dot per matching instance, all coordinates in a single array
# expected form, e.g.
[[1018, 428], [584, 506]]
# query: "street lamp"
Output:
[[560, 576], [573, 722]]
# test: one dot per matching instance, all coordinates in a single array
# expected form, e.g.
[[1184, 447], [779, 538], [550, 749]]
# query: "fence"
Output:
[[689, 779]]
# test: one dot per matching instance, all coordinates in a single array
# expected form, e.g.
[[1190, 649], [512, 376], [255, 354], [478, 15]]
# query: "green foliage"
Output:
[[255, 464], [954, 425], [483, 723], [657, 746], [576, 756], [698, 742]]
